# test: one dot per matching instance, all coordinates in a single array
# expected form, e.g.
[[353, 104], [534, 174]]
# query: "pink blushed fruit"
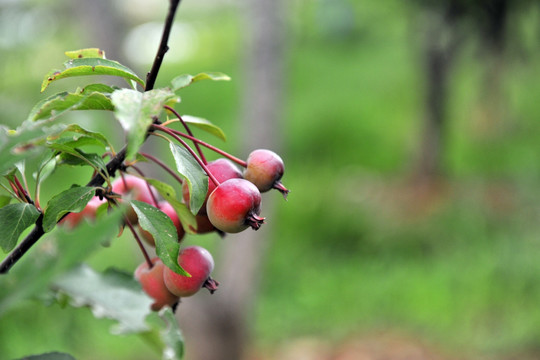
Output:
[[199, 263], [234, 206], [265, 169], [222, 169], [204, 225], [153, 284], [89, 212]]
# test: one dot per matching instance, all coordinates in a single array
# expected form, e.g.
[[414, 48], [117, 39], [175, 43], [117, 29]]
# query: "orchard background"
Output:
[[409, 132]]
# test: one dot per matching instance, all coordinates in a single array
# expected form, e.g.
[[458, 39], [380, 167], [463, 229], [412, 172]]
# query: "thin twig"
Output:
[[163, 46]]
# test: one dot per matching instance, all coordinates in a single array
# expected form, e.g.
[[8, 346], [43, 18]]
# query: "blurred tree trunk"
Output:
[[493, 110], [495, 26], [217, 326], [439, 52]]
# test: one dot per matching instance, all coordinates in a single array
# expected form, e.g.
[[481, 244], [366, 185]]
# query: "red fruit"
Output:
[[203, 224], [265, 169], [234, 206], [152, 282], [198, 262], [169, 210], [222, 169], [89, 212], [133, 188]]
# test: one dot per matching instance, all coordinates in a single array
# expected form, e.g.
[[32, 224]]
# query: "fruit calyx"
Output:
[[254, 220], [211, 284]]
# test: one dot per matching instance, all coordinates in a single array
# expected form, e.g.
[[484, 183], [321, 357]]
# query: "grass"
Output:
[[461, 277]]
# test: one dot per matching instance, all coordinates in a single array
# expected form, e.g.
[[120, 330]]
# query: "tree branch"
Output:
[[37, 232], [112, 166], [163, 47]]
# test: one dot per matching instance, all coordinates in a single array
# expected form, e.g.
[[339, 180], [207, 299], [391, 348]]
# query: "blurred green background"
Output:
[[367, 243]]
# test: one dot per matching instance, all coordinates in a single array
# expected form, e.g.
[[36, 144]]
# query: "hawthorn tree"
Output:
[[215, 197]]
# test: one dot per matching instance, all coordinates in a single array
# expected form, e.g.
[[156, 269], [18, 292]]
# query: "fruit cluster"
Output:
[[232, 204]]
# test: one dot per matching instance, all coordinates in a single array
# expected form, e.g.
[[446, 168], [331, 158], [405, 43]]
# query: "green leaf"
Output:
[[90, 66], [59, 104], [140, 158], [135, 111], [117, 295], [172, 337], [77, 141], [74, 128], [71, 200], [49, 356], [10, 173], [4, 200], [102, 210], [53, 256], [184, 80], [46, 168], [205, 125], [86, 53], [157, 223], [82, 159], [128, 111], [26, 141], [113, 294], [193, 174], [165, 335], [101, 88], [21, 166], [73, 156], [187, 219], [14, 219]]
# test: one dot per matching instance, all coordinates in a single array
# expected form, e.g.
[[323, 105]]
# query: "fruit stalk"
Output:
[[23, 191], [139, 242], [188, 131], [16, 190], [163, 166], [154, 199], [211, 147], [177, 138]]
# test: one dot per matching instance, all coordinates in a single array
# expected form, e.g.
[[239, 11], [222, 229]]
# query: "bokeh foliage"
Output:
[[358, 247]]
